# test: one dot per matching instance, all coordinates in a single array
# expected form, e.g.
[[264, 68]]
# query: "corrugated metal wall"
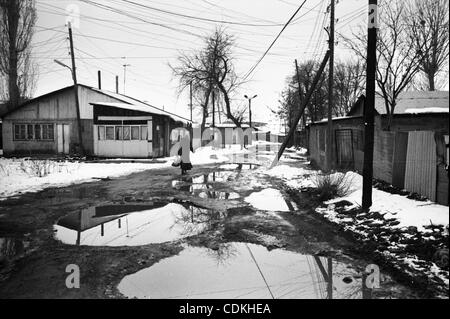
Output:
[[420, 175]]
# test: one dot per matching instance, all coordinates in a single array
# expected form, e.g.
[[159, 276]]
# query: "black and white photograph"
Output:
[[222, 155]]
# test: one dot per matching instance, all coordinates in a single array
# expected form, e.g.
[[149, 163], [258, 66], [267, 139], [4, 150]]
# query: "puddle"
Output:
[[239, 166], [184, 183], [270, 200], [10, 248], [133, 225], [239, 270]]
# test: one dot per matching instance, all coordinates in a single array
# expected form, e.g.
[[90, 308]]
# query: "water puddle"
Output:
[[240, 166], [240, 270], [133, 225], [270, 199]]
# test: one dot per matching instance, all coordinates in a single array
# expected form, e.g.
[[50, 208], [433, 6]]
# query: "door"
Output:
[[344, 148], [63, 138], [421, 164]]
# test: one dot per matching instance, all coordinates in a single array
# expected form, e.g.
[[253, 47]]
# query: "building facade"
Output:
[[112, 125], [413, 154]]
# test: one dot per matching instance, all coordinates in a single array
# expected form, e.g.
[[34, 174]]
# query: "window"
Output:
[[19, 131], [101, 133], [110, 133], [48, 132], [135, 133], [119, 133], [126, 133], [34, 132], [358, 135], [144, 131], [30, 132], [37, 132]]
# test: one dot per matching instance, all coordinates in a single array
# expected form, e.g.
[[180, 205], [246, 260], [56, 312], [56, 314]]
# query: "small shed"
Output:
[[412, 155]]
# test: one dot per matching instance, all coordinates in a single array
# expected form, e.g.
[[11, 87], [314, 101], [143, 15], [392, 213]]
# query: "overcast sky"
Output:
[[151, 39]]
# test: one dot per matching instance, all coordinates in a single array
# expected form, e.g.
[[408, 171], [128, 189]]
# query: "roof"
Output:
[[128, 102], [136, 105], [431, 100], [411, 102]]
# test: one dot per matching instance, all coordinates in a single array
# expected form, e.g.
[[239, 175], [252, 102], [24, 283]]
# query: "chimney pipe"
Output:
[[99, 79], [117, 84]]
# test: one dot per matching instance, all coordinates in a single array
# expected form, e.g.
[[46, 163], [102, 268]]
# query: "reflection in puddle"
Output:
[[133, 225], [239, 166], [185, 182], [270, 200], [10, 248], [239, 270]]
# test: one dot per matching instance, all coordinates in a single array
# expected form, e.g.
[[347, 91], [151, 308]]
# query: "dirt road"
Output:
[[89, 224]]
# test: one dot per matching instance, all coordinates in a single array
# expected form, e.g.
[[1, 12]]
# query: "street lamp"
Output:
[[64, 65], [250, 108]]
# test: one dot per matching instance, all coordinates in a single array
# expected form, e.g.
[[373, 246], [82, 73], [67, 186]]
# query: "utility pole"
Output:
[[75, 88], [117, 84], [190, 98], [369, 104], [299, 99], [302, 108], [330, 144], [125, 76], [250, 108], [213, 108]]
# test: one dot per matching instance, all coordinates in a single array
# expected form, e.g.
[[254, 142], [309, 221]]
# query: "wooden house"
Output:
[[112, 125]]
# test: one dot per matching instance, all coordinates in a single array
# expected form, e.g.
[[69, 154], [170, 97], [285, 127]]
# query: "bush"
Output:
[[40, 168], [329, 186]]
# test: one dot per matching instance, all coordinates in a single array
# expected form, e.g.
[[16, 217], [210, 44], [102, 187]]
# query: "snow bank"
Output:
[[407, 211], [14, 180]]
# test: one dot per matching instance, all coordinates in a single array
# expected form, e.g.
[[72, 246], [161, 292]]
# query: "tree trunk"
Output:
[[227, 105], [431, 82], [13, 23]]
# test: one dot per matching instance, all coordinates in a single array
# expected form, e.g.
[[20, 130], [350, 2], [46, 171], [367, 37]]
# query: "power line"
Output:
[[274, 41], [199, 18]]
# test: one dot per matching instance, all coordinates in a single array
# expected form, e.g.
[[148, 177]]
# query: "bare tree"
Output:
[[398, 60], [428, 22], [348, 84], [210, 69], [17, 20]]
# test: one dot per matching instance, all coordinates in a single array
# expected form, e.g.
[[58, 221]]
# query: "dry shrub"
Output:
[[39, 168], [329, 186]]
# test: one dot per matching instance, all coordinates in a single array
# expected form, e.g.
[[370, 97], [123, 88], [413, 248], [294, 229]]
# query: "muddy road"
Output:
[[156, 234]]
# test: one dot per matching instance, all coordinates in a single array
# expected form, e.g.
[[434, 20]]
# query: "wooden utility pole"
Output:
[[330, 144], [297, 72], [213, 108], [117, 84], [369, 104], [75, 89], [190, 98], [302, 108]]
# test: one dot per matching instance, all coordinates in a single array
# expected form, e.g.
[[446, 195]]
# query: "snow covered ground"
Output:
[[16, 177], [21, 175], [407, 211]]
